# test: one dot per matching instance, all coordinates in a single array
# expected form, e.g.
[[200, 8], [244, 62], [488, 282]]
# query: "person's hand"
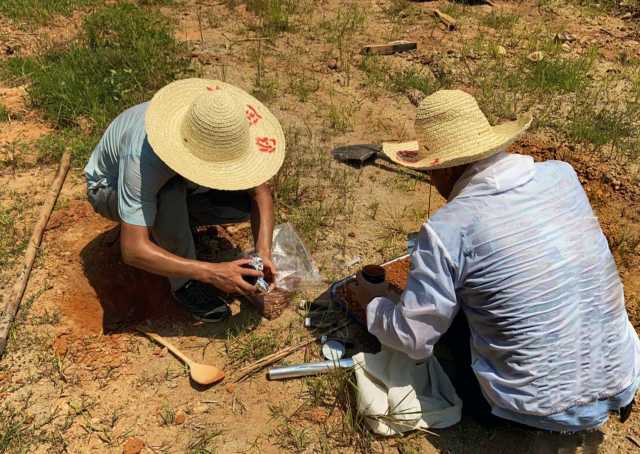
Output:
[[269, 269], [229, 276]]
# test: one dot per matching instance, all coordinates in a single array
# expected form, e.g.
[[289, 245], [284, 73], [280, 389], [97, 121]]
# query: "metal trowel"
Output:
[[359, 153]]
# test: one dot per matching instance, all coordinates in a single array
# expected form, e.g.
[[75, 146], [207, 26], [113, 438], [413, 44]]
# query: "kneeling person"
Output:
[[201, 151], [518, 252]]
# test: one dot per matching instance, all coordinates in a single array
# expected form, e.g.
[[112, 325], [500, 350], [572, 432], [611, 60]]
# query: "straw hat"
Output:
[[451, 131], [214, 134]]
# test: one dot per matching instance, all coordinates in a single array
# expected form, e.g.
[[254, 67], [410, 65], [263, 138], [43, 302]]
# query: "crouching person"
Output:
[[518, 254], [200, 152]]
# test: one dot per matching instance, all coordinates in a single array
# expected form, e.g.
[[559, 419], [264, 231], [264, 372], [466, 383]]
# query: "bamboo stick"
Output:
[[15, 297]]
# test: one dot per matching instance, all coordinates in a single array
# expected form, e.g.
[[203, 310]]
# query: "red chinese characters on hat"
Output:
[[407, 155], [252, 115], [266, 144]]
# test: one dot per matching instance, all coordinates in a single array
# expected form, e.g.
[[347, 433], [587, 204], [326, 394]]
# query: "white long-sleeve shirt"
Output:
[[518, 248]]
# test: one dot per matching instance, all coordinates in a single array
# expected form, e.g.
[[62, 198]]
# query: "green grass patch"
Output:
[[13, 237], [340, 31], [51, 146], [558, 74], [303, 85], [124, 55], [250, 347], [274, 16], [311, 189], [13, 155], [379, 74], [375, 70], [412, 78], [397, 8], [4, 114], [39, 11], [500, 21], [592, 123]]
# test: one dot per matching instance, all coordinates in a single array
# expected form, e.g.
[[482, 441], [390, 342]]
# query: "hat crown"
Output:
[[450, 118], [215, 127]]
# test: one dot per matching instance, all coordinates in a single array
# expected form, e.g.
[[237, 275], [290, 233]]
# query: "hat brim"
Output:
[[163, 123], [409, 154]]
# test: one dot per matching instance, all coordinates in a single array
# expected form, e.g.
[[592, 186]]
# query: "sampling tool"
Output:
[[334, 290], [12, 302], [307, 369], [359, 153], [265, 361], [200, 373], [259, 282]]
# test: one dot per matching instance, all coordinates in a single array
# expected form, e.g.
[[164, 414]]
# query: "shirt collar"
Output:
[[495, 174]]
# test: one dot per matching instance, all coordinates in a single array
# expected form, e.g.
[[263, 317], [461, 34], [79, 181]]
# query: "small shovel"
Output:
[[358, 153], [202, 374]]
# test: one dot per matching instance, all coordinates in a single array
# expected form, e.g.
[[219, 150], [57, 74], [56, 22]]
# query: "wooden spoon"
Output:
[[200, 373]]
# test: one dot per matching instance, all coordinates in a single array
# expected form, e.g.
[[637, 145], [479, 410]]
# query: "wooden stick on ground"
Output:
[[389, 48], [12, 302], [246, 371]]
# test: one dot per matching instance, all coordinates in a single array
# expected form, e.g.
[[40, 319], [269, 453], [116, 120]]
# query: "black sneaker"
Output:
[[204, 302]]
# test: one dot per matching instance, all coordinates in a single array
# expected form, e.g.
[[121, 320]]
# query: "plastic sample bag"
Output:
[[295, 268]]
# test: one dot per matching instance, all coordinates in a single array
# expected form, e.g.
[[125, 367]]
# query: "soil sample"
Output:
[[272, 304], [396, 275]]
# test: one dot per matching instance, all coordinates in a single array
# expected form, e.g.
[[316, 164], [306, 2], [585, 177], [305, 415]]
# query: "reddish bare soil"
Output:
[[99, 293]]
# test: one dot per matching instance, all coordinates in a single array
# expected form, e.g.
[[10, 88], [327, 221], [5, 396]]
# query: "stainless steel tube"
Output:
[[303, 370]]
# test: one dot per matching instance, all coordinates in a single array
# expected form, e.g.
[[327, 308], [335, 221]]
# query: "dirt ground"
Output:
[[79, 378]]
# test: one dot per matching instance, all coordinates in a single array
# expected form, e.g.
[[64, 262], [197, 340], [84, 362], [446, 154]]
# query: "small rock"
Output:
[[535, 56], [564, 37], [180, 418], [626, 16], [132, 446], [200, 409], [500, 50], [415, 97], [332, 64], [566, 47]]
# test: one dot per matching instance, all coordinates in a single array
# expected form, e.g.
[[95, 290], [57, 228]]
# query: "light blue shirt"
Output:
[[124, 161], [518, 248]]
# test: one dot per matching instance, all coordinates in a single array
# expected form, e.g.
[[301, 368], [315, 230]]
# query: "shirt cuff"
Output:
[[378, 310]]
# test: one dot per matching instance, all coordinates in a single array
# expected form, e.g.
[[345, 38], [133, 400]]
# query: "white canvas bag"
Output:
[[397, 395]]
